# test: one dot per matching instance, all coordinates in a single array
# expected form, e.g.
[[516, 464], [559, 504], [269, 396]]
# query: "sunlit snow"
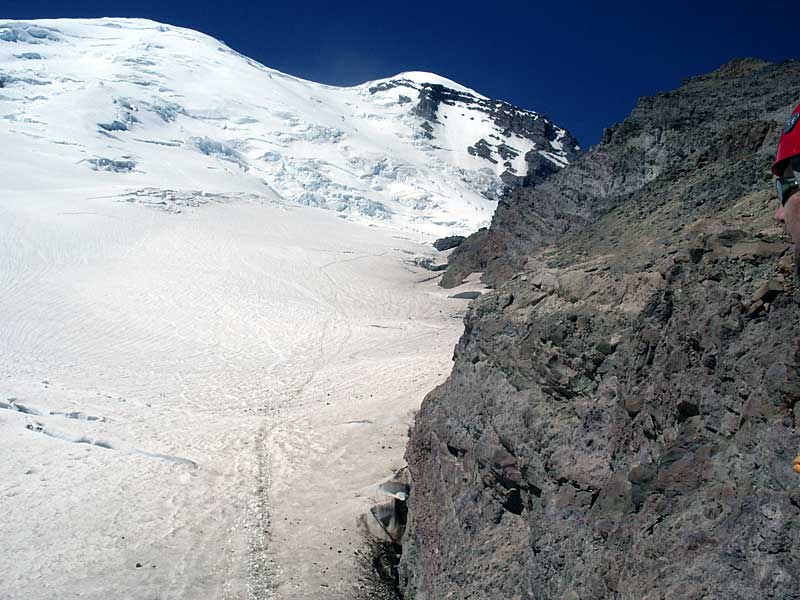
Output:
[[148, 105], [204, 377]]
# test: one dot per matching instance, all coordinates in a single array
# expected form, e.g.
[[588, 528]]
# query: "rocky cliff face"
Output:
[[711, 126], [621, 417]]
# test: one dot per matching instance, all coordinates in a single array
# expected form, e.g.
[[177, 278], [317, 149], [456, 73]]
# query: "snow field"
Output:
[[185, 111], [202, 394]]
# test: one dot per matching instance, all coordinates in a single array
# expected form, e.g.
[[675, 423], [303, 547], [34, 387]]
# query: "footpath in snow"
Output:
[[200, 405]]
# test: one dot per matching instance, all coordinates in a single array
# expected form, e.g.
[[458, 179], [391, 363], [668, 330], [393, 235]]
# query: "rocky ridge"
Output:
[[621, 417]]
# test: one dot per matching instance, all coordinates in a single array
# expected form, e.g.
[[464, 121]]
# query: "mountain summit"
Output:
[[166, 115]]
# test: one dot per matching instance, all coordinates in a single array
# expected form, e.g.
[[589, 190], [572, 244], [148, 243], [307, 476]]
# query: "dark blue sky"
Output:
[[581, 63]]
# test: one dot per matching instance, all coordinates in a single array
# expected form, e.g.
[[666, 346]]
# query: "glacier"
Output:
[[415, 151]]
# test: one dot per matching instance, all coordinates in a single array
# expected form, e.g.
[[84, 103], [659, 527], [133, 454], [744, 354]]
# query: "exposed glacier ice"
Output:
[[9, 80], [27, 33], [124, 165], [221, 150], [183, 92], [138, 61], [271, 156], [114, 126], [174, 201], [167, 110]]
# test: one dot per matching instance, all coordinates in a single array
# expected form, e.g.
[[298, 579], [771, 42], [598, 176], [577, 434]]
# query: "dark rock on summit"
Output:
[[554, 147], [482, 149], [617, 425]]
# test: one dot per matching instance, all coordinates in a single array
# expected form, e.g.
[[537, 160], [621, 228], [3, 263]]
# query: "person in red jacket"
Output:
[[786, 168]]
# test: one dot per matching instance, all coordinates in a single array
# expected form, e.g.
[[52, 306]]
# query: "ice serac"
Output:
[[622, 414], [151, 106]]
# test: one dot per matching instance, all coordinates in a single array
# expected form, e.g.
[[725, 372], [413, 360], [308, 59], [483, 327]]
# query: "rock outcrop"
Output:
[[448, 243], [622, 413], [700, 132], [511, 130]]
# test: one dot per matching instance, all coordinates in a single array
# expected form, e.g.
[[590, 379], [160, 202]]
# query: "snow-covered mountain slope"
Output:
[[166, 115]]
